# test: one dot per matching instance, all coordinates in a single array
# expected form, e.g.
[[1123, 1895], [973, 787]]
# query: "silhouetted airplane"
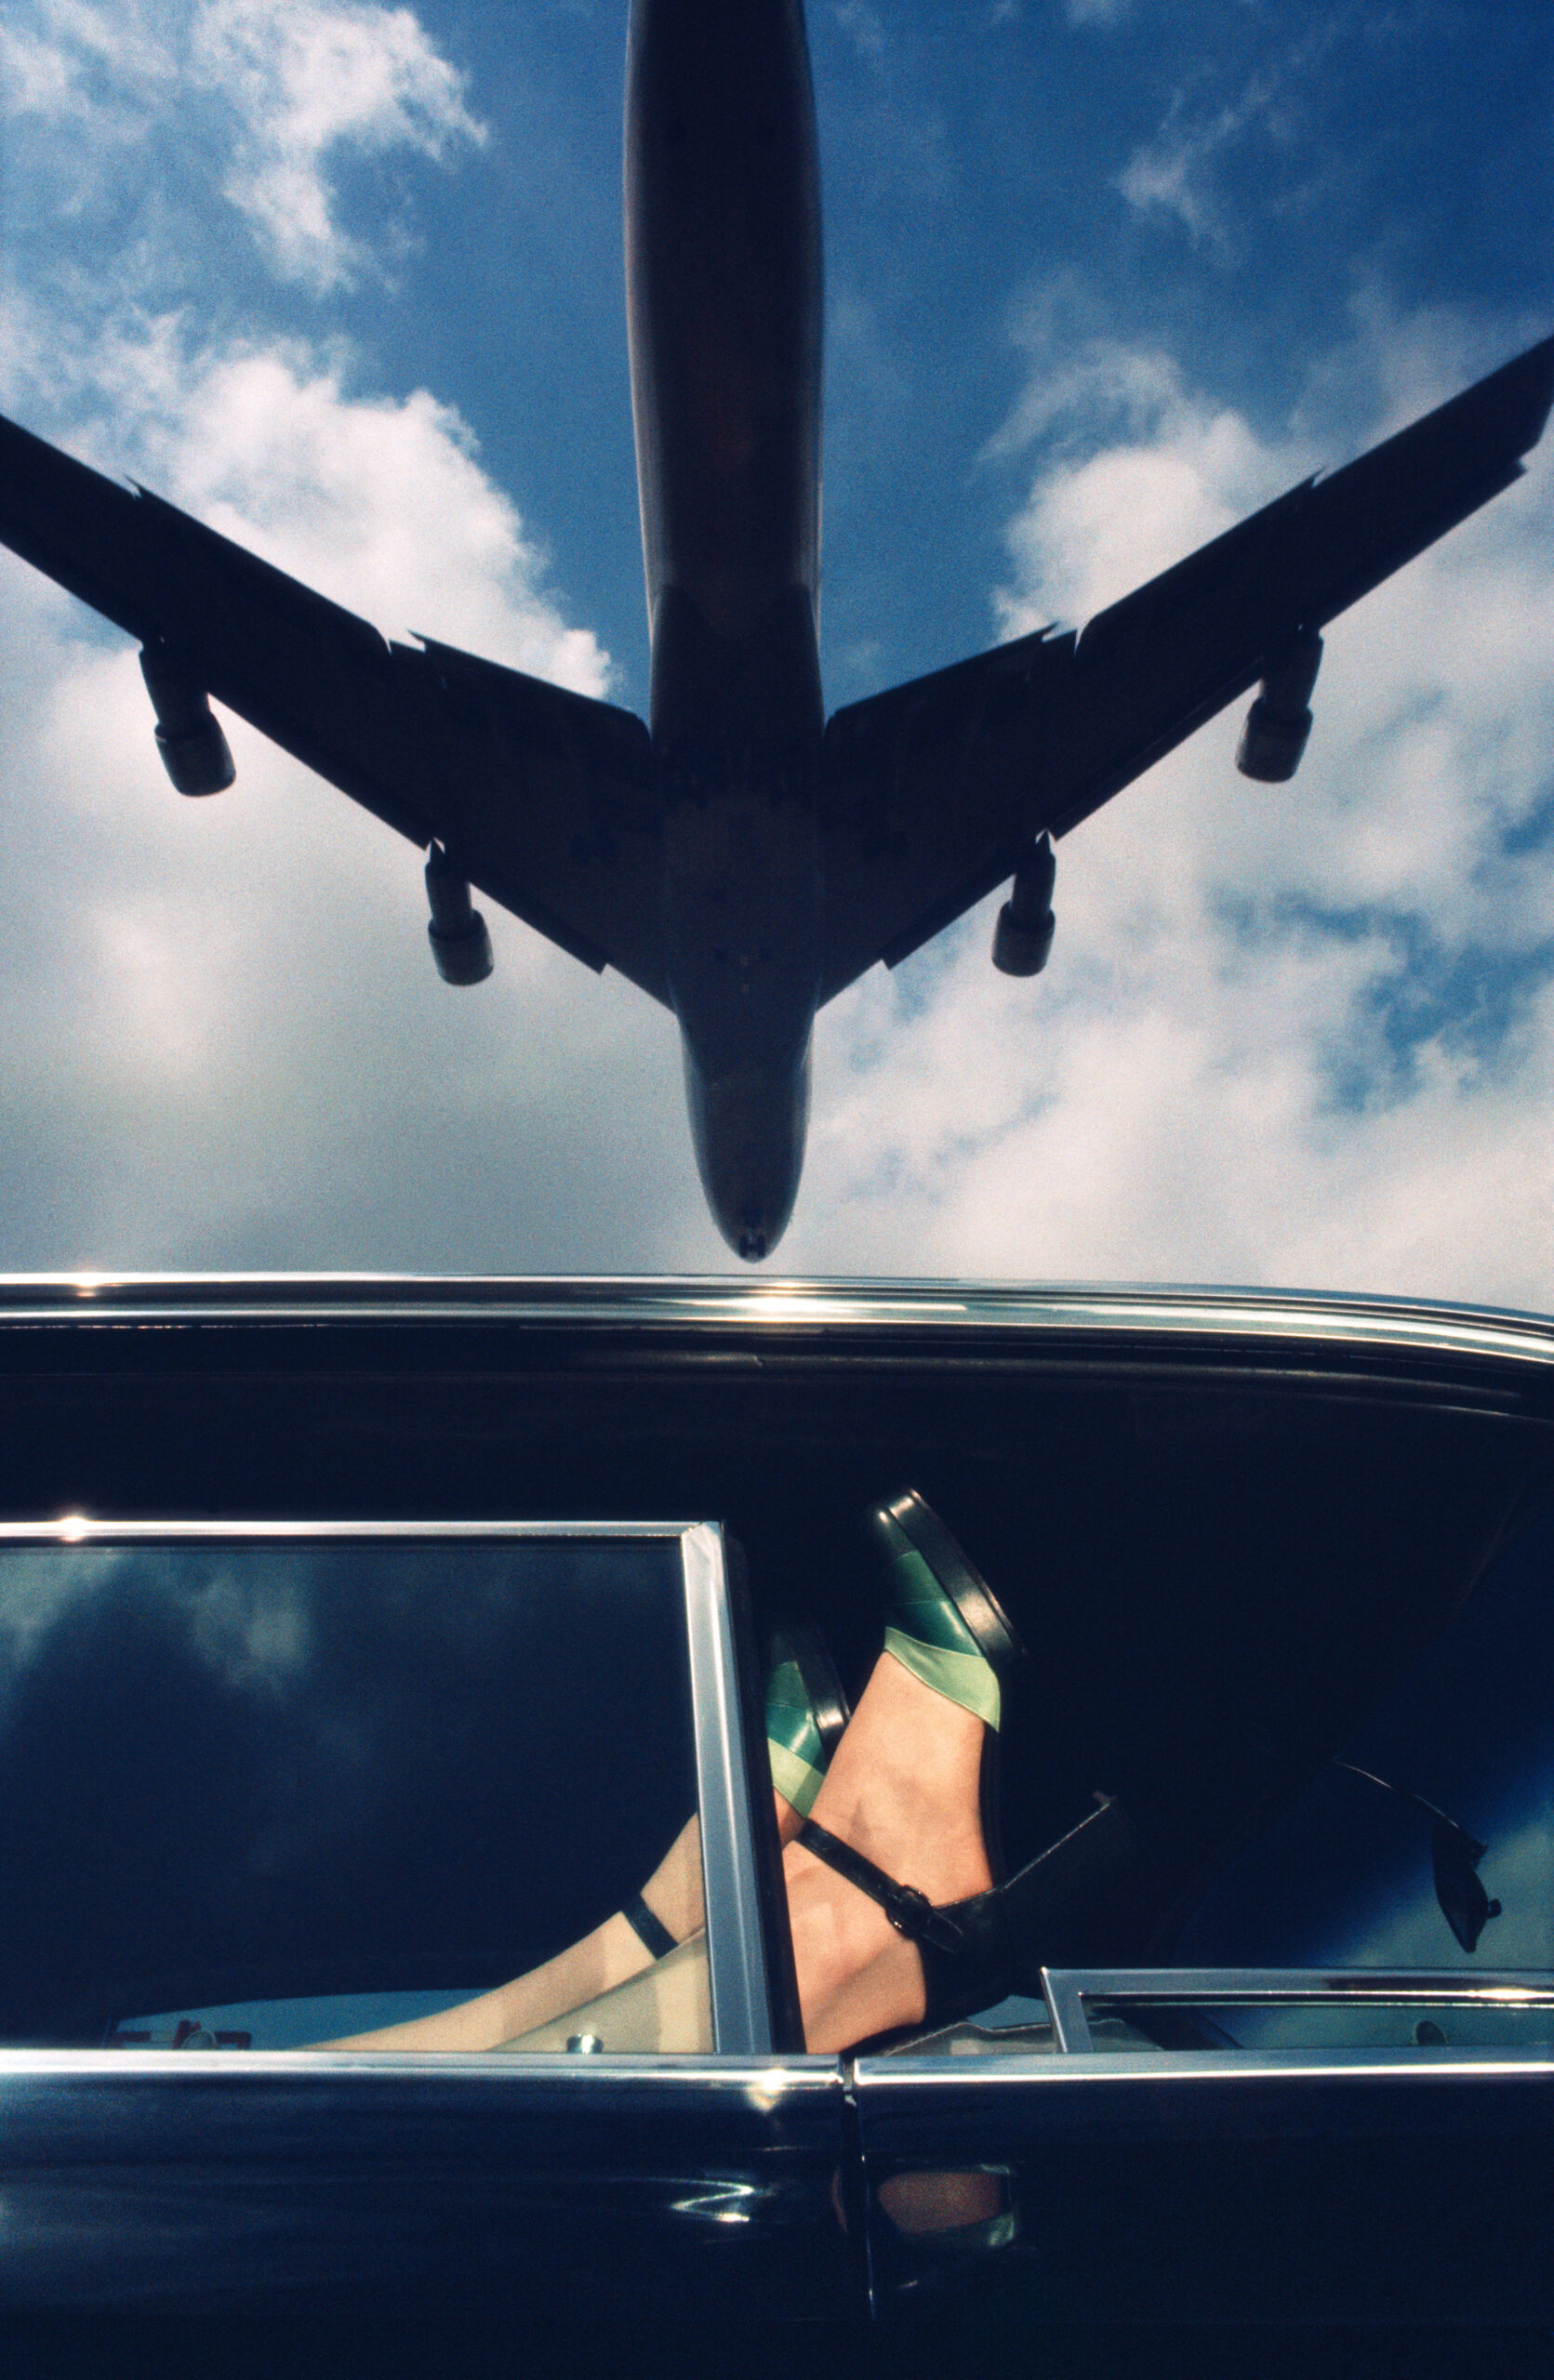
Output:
[[741, 857]]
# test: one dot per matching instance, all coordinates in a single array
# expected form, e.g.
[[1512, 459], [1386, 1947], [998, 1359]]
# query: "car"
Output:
[[366, 1640]]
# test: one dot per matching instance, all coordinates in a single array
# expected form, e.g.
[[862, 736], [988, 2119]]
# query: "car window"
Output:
[[409, 1792], [1401, 1903], [1439, 1801]]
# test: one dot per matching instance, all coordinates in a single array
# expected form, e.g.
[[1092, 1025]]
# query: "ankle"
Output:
[[856, 1974], [904, 1788]]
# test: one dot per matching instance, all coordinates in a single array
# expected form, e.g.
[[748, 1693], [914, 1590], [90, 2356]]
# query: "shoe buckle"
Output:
[[912, 1914]]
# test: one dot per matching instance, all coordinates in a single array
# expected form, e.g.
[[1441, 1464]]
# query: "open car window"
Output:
[[268, 1789], [1402, 1904]]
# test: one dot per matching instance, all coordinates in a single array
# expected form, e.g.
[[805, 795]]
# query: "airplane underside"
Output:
[[737, 747], [739, 857], [748, 1127]]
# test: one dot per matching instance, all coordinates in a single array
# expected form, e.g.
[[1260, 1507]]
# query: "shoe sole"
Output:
[[996, 1637]]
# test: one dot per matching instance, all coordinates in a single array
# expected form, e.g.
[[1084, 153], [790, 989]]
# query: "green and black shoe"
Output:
[[944, 1623], [947, 1627], [806, 1712]]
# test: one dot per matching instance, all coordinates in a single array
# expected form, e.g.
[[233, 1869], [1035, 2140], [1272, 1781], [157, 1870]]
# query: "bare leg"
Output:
[[904, 1789], [611, 1954]]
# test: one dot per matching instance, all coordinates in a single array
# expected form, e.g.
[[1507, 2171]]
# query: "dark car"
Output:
[[365, 1642]]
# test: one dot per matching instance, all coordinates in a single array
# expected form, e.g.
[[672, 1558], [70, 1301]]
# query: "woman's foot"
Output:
[[806, 1714], [903, 1789]]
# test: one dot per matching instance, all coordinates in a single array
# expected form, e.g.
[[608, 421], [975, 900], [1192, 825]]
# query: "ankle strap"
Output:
[[649, 1929], [910, 1911]]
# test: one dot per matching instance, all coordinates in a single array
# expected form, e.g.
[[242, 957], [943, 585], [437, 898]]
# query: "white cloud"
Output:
[[255, 1632], [379, 502], [1176, 172], [82, 84], [271, 98], [1259, 1054], [307, 78], [1171, 175], [1183, 470], [226, 1043], [1222, 116], [68, 60]]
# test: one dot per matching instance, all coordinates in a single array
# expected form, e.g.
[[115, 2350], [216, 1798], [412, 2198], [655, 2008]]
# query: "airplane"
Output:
[[739, 856]]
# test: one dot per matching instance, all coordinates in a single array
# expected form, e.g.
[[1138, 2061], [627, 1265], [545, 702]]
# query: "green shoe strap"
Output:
[[794, 1779], [915, 1599], [933, 1641], [793, 1742], [965, 1678]]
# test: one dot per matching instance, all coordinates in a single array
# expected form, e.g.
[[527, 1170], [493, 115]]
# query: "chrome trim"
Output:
[[1065, 1991], [761, 2080], [742, 2003], [1143, 2070], [1289, 1316], [84, 1529]]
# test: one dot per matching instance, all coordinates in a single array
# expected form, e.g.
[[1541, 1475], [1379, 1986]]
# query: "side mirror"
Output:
[[1458, 1886], [1455, 1853]]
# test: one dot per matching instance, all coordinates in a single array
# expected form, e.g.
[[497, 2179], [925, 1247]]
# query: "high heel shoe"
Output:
[[948, 1628], [944, 1623], [975, 1951], [806, 1712]]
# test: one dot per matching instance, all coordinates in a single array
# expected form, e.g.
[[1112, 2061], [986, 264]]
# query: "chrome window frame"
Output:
[[1337, 1324], [1066, 1989], [741, 2011]]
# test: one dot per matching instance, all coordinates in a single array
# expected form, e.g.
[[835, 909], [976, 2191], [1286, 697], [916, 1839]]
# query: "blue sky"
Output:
[[344, 280]]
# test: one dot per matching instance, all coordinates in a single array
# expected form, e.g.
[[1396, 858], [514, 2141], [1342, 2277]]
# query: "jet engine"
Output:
[[1022, 938], [194, 751], [457, 931], [1279, 720]]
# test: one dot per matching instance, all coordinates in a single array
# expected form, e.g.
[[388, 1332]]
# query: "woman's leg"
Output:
[[805, 1712], [904, 1789], [611, 1954]]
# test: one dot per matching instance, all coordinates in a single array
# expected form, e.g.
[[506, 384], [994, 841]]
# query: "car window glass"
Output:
[[288, 1790], [1442, 1804], [1346, 1875]]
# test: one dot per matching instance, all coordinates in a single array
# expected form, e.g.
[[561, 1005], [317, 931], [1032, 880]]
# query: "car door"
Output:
[[275, 1790], [1204, 2149]]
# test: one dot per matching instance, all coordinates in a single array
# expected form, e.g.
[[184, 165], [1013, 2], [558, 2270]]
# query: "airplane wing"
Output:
[[542, 798], [935, 791]]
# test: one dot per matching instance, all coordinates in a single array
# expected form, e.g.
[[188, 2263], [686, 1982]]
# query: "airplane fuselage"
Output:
[[724, 312]]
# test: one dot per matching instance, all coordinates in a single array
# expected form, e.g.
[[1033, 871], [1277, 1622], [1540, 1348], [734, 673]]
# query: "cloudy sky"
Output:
[[344, 280]]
